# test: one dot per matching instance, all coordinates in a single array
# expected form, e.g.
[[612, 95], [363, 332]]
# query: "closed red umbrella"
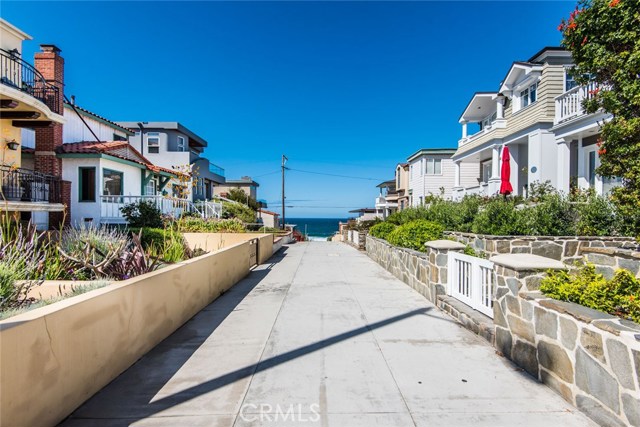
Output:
[[505, 173]]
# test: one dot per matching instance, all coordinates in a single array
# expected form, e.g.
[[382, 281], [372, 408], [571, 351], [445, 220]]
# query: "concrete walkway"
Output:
[[324, 337]]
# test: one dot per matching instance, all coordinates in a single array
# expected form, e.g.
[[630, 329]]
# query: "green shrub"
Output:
[[415, 234], [382, 230], [143, 213], [165, 244], [618, 296], [237, 210], [200, 225], [497, 217]]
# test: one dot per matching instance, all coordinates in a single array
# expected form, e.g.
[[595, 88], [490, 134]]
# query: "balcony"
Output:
[[23, 185], [216, 169], [569, 104], [19, 74]]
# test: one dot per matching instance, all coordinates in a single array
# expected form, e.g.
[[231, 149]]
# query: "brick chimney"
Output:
[[51, 65]]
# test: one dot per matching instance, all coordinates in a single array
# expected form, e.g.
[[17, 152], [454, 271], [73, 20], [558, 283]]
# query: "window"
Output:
[[112, 183], [420, 200], [569, 82], [529, 95], [486, 170], [151, 188], [181, 144], [434, 166], [117, 137], [153, 142], [87, 180], [486, 122]]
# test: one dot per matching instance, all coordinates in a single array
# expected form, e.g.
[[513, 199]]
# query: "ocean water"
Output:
[[317, 228]]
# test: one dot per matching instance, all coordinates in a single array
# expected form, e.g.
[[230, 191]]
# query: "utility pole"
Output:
[[284, 160]]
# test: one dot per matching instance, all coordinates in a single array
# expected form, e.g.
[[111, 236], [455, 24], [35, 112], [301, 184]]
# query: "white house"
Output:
[[536, 112], [432, 172], [173, 146]]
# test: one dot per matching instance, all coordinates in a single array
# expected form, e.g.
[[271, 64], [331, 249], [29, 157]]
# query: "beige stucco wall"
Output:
[[215, 241], [54, 358]]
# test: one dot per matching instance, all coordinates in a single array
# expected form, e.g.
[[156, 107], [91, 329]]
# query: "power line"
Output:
[[269, 173], [335, 175]]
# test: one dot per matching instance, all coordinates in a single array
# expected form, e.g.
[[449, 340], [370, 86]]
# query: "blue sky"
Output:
[[346, 88]]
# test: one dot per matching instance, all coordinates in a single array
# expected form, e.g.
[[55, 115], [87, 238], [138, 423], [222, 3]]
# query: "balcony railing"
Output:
[[23, 185], [569, 104], [21, 75], [216, 169]]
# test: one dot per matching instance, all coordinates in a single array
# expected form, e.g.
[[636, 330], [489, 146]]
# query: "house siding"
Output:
[[542, 111], [74, 130], [422, 185]]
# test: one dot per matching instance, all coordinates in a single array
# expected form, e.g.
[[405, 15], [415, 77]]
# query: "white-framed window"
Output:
[[486, 122], [433, 166], [486, 170], [182, 144], [151, 188], [529, 95], [569, 81], [153, 142]]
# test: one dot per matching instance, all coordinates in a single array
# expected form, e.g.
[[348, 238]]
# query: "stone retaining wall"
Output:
[[608, 260], [563, 248], [590, 358], [355, 238]]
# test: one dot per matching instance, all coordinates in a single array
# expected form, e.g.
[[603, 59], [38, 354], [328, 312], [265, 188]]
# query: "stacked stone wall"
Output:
[[590, 358], [567, 249]]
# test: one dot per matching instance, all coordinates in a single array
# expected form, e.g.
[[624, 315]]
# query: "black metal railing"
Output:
[[17, 73], [23, 185]]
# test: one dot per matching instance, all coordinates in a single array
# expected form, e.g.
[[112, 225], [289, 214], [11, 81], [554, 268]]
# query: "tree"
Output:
[[237, 195], [604, 39]]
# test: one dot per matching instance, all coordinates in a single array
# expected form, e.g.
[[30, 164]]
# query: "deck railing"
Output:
[[110, 206], [21, 75], [569, 104], [24, 185], [471, 281]]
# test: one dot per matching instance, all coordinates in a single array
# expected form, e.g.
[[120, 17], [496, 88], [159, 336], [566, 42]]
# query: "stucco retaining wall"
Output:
[[563, 248], [54, 358], [215, 241]]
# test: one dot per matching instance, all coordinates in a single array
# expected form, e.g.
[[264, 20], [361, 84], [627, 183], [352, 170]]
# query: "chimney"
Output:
[[51, 65]]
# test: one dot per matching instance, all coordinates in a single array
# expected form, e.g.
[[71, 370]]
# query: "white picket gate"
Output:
[[471, 281]]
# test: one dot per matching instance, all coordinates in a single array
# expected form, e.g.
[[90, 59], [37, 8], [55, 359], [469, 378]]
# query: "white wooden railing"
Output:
[[481, 190], [471, 281], [569, 104], [110, 206], [209, 209]]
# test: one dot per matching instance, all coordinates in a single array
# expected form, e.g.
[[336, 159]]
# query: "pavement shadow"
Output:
[[175, 350], [148, 409]]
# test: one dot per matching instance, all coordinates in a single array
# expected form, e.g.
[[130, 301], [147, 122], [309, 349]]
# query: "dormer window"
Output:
[[529, 95]]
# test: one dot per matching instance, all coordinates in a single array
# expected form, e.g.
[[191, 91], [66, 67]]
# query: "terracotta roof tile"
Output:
[[119, 149]]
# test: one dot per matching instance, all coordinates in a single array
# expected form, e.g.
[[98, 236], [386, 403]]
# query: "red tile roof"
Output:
[[120, 149], [268, 212]]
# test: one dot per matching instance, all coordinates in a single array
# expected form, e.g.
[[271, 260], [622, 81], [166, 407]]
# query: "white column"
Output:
[[563, 173], [500, 108], [583, 179], [464, 129], [495, 162]]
